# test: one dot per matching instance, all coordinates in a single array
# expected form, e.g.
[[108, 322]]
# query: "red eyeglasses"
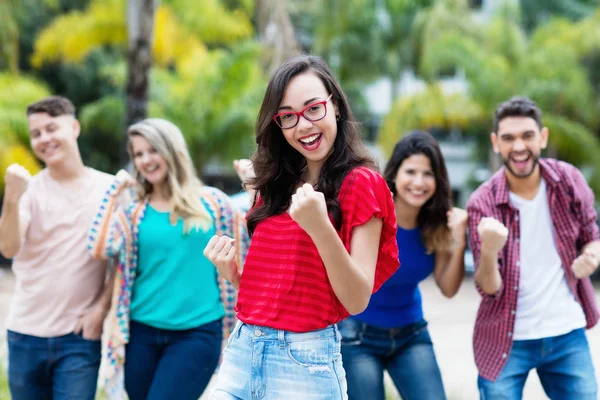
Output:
[[313, 112]]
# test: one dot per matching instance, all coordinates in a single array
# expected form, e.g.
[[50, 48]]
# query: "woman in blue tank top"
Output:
[[391, 334]]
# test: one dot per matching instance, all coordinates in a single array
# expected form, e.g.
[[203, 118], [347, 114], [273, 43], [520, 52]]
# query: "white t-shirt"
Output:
[[545, 306], [56, 279]]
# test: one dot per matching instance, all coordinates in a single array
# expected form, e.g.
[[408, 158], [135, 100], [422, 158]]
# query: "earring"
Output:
[[337, 117]]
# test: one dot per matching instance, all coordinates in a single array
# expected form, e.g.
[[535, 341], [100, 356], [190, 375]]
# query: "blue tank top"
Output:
[[398, 302]]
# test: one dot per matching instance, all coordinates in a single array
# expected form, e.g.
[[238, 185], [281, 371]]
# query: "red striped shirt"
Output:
[[571, 204], [284, 284]]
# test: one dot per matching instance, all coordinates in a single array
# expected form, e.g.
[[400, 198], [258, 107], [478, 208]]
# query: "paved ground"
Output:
[[451, 326]]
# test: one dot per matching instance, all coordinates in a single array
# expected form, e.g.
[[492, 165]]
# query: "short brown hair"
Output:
[[53, 105], [518, 106]]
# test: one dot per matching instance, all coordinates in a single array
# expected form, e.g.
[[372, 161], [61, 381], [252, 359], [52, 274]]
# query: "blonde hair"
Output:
[[183, 184]]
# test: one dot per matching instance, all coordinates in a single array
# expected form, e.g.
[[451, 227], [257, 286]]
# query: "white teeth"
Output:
[[309, 139], [49, 147], [152, 169]]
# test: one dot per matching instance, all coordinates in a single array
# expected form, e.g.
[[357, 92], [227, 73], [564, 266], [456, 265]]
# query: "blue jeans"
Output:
[[169, 364], [406, 353], [63, 367], [563, 364], [261, 363]]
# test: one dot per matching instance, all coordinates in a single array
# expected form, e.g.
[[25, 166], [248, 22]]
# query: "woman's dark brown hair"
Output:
[[279, 167], [432, 218]]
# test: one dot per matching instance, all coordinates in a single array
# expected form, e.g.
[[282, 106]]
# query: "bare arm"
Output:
[[450, 270], [487, 274], [351, 275], [12, 226], [450, 264], [12, 229]]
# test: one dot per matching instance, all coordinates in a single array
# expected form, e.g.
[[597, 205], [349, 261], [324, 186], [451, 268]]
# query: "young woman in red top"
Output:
[[323, 240]]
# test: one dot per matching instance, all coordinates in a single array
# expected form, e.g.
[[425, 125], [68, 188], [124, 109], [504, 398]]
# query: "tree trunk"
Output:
[[9, 37], [140, 25], [276, 32]]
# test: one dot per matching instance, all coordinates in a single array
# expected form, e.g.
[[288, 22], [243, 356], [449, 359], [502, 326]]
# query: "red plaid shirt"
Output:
[[571, 204]]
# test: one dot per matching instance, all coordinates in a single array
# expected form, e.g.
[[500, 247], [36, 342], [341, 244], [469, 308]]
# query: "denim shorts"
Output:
[[261, 363]]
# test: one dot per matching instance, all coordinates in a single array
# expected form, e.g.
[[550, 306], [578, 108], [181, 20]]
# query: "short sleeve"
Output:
[[365, 195]]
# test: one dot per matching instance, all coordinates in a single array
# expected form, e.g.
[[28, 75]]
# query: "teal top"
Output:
[[175, 286]]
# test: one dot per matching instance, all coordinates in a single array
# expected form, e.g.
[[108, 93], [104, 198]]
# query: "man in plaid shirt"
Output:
[[535, 241]]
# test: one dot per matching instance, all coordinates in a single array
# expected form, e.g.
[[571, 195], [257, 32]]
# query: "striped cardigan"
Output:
[[114, 234]]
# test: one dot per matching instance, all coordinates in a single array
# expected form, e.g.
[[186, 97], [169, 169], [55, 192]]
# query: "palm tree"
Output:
[[9, 36], [500, 61], [276, 32], [194, 45], [140, 25]]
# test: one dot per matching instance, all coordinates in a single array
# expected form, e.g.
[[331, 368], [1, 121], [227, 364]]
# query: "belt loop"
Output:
[[281, 337], [238, 329], [336, 332]]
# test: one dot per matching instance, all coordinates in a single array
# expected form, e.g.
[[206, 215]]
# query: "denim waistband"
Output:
[[265, 333], [391, 333]]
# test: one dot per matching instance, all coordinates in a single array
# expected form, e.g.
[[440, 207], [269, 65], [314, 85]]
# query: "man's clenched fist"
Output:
[[493, 233], [16, 181]]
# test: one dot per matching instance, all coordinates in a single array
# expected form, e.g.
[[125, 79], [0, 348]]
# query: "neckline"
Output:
[[541, 190], [416, 228], [73, 194], [156, 210]]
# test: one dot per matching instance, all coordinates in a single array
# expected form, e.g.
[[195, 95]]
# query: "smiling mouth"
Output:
[[311, 142], [520, 161], [49, 149], [151, 170], [418, 193]]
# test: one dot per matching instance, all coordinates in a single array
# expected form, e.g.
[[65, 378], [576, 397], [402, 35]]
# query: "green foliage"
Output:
[[4, 390], [345, 35], [182, 27], [217, 108], [17, 93], [427, 110], [576, 144], [499, 61], [206, 77], [72, 36], [9, 36], [537, 12], [102, 133], [212, 22]]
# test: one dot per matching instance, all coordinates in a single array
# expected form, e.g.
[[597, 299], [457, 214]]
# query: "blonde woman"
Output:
[[166, 324]]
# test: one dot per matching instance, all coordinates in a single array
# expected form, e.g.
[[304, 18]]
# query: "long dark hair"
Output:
[[279, 166], [432, 218]]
